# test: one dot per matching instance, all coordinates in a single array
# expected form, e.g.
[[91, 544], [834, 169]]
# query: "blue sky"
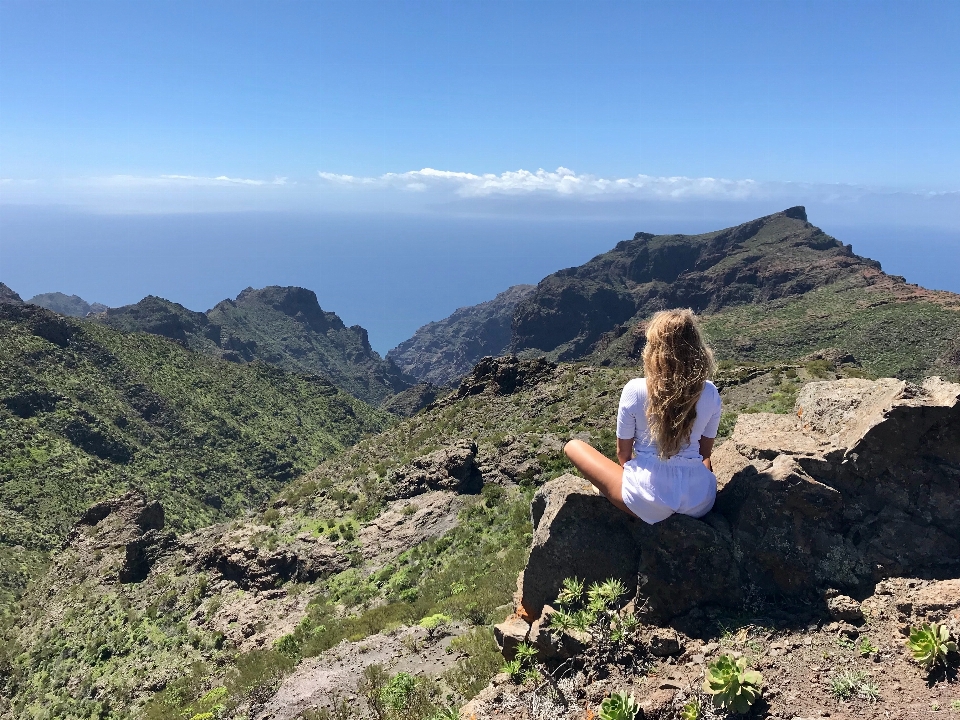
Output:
[[616, 116]]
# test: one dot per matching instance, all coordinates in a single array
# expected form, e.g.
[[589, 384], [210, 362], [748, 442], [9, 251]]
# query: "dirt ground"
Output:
[[801, 659]]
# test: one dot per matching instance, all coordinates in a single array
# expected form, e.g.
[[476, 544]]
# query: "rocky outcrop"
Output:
[[129, 527], [8, 295], [72, 305], [450, 468], [442, 352], [409, 402], [862, 484], [772, 257], [499, 376], [256, 568], [283, 326]]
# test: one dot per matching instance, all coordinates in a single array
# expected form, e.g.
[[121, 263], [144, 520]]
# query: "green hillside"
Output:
[[87, 411], [283, 326]]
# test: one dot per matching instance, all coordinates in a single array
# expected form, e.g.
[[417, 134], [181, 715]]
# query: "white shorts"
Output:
[[655, 489]]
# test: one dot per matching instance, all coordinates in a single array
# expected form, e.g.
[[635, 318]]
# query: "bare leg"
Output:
[[604, 473]]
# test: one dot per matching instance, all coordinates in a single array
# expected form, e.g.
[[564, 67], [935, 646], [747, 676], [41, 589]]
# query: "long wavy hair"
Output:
[[676, 363]]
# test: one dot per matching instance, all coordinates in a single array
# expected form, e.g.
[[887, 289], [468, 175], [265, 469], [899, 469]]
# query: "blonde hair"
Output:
[[676, 363]]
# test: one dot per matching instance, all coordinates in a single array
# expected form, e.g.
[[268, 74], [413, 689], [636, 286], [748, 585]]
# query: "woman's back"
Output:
[[632, 419]]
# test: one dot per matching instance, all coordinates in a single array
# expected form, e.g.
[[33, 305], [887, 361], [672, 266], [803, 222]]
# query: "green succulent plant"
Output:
[[691, 710], [930, 643], [521, 667], [514, 668], [619, 706], [571, 593], [450, 713], [606, 594], [731, 684]]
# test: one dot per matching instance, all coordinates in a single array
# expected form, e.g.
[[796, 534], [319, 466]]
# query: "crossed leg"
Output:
[[604, 473]]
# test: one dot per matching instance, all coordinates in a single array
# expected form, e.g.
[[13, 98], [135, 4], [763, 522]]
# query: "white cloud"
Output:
[[561, 182]]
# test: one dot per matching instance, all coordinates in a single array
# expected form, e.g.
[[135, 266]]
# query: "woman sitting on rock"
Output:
[[666, 426]]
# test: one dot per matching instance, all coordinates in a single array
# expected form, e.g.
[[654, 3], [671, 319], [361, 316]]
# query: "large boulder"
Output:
[[128, 528], [862, 483], [451, 468]]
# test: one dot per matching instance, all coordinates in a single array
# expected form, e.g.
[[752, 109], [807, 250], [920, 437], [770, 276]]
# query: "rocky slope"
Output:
[[771, 290], [87, 411], [72, 305], [284, 326], [428, 518], [844, 512], [7, 294], [442, 352]]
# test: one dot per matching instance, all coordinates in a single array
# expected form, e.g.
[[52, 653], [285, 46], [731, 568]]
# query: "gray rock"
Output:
[[509, 634], [663, 642], [450, 468], [860, 485], [843, 607]]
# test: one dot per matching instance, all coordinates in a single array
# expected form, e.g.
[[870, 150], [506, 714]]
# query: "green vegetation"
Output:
[[86, 412], [732, 685], [283, 326], [866, 647], [890, 337], [594, 610], [523, 666], [401, 697], [853, 683], [619, 706], [483, 660], [929, 644], [691, 710], [465, 574]]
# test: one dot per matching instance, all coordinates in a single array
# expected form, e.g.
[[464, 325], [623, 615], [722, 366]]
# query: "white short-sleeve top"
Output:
[[632, 419]]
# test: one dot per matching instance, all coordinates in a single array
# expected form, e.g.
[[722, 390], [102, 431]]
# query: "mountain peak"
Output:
[[72, 305], [798, 212], [8, 295], [296, 302]]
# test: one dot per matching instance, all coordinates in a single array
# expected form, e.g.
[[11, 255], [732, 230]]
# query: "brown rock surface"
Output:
[[863, 484], [451, 468]]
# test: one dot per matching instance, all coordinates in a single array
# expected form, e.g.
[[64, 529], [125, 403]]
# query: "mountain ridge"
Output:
[[774, 288], [284, 326], [72, 305], [87, 411], [444, 351]]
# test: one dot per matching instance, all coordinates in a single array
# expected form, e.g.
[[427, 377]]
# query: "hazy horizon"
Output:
[[390, 273], [406, 158]]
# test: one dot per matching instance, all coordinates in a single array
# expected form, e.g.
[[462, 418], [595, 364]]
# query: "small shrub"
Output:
[[929, 644], [287, 645], [955, 705], [521, 667], [853, 683], [434, 621], [410, 509], [270, 516], [732, 686], [866, 647], [396, 693], [818, 368], [619, 706], [483, 659]]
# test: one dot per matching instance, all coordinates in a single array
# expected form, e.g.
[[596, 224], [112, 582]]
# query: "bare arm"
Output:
[[624, 450], [706, 450]]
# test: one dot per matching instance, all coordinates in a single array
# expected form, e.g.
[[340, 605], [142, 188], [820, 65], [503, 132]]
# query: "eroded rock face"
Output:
[[450, 468], [862, 484], [500, 376], [251, 567], [130, 526]]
